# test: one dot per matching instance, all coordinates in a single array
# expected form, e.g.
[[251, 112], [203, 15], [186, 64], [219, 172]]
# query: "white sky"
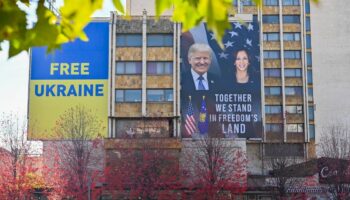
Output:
[[14, 73]]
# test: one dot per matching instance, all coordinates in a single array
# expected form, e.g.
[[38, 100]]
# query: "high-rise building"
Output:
[[146, 101], [146, 63]]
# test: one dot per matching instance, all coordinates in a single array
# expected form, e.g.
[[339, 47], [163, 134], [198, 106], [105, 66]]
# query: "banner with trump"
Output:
[[221, 87]]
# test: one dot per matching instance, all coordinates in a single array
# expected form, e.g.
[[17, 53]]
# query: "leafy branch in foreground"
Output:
[[52, 31]]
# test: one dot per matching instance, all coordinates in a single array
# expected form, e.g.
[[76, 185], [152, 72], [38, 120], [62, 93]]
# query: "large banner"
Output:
[[221, 88], [74, 76]]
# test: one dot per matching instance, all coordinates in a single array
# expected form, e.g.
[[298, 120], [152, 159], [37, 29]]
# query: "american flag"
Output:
[[190, 123]]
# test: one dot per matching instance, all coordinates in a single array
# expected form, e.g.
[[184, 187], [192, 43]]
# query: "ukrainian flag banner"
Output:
[[75, 75]]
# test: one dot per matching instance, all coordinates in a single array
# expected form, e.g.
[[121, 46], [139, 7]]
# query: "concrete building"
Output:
[[286, 45], [145, 86], [331, 47]]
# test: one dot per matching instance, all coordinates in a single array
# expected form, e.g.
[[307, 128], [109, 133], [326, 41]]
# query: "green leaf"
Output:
[[76, 15], [119, 6], [163, 5]]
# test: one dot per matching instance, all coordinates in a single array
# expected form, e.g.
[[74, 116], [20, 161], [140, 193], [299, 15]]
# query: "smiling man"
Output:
[[198, 78]]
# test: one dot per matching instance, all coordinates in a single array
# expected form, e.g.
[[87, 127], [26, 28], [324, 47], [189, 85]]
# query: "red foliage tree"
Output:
[[214, 169], [16, 171], [142, 171]]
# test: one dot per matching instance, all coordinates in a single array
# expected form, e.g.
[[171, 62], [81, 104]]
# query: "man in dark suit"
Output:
[[198, 85], [198, 77]]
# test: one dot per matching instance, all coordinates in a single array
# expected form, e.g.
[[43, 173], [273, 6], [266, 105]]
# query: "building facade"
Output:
[[145, 84]]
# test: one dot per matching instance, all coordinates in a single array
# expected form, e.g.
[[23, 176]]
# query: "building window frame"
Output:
[[128, 68], [160, 95], [274, 128], [272, 72], [160, 40], [271, 3], [293, 72], [291, 19], [291, 36], [271, 37], [273, 91], [293, 91], [294, 109], [273, 109], [129, 40], [272, 54], [292, 54], [295, 128], [290, 3], [126, 95], [159, 67], [271, 19]]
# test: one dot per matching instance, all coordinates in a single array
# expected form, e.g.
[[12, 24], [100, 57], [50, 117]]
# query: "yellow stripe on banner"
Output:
[[49, 99]]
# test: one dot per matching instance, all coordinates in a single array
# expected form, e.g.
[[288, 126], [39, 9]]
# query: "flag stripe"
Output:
[[190, 123]]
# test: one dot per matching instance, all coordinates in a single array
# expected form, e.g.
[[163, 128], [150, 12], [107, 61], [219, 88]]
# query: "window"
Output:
[[129, 40], [128, 95], [273, 91], [273, 109], [270, 2], [291, 36], [291, 19], [159, 68], [271, 19], [283, 149], [312, 131], [247, 3], [310, 93], [295, 128], [292, 73], [160, 40], [274, 128], [235, 2], [128, 68], [271, 54], [294, 109], [290, 2], [307, 24], [308, 41], [311, 113], [159, 95], [272, 72], [294, 91], [292, 54], [307, 6], [309, 77], [271, 36], [308, 58]]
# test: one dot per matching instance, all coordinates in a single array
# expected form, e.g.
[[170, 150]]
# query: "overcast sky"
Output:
[[14, 73]]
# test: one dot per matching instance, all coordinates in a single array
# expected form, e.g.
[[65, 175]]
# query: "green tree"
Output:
[[52, 31]]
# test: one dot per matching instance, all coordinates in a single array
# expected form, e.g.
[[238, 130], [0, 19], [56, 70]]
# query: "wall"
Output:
[[330, 27]]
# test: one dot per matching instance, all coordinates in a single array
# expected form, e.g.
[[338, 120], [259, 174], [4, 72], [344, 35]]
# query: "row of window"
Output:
[[290, 128], [286, 36], [153, 67], [288, 54], [276, 73], [153, 95], [284, 2], [289, 90], [269, 2], [153, 40], [275, 19], [277, 91], [277, 109]]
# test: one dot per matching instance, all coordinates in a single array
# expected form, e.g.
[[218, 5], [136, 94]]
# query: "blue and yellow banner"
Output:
[[75, 75]]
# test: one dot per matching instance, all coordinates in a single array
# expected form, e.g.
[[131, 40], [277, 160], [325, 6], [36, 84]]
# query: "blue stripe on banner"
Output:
[[75, 60]]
